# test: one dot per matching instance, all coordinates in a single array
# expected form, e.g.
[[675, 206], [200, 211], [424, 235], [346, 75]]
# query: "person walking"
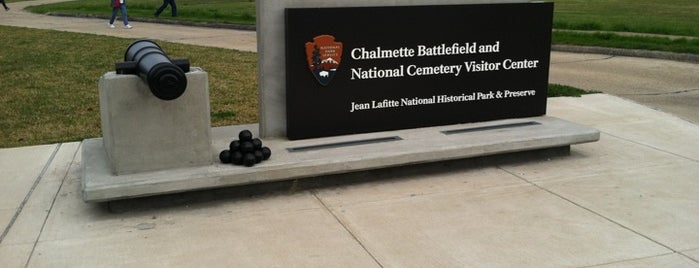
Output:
[[116, 6], [173, 7], [4, 5]]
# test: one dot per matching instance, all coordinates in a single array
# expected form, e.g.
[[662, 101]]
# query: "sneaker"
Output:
[[7, 9], [111, 26], [128, 26]]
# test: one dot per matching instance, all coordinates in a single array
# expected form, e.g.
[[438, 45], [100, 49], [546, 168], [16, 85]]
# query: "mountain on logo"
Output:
[[329, 64], [329, 60]]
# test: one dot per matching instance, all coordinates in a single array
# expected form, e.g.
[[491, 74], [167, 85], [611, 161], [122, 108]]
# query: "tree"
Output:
[[316, 58]]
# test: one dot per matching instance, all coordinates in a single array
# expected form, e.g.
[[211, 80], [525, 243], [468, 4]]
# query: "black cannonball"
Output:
[[245, 135], [237, 158], [249, 159], [257, 143], [225, 156], [247, 147], [258, 156], [266, 153], [234, 146]]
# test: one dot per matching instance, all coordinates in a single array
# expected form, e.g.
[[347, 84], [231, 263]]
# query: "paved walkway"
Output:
[[629, 200], [212, 37]]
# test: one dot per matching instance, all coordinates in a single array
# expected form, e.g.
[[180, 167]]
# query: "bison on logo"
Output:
[[323, 56]]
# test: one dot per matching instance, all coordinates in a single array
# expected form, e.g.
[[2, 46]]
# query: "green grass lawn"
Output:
[[48, 90], [211, 11], [677, 17]]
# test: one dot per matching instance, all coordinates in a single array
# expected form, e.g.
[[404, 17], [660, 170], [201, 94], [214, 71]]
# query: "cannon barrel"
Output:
[[166, 80]]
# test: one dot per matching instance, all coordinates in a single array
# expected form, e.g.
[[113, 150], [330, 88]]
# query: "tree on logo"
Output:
[[316, 58]]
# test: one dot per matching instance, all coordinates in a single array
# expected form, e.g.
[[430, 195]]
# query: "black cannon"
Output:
[[165, 78]]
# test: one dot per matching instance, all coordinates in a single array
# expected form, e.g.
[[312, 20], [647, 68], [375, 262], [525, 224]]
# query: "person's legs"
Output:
[[114, 12], [124, 17], [173, 5], [161, 8], [4, 5]]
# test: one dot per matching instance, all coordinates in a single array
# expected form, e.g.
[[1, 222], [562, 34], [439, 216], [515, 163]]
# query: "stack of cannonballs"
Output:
[[246, 151]]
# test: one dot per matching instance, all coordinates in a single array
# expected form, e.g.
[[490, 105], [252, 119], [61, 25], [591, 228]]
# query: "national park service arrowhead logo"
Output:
[[323, 56]]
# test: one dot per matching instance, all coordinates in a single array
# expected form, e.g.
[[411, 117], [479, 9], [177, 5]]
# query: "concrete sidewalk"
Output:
[[201, 36], [629, 200]]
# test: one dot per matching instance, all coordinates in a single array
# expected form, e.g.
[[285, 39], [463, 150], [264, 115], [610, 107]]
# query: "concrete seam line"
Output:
[[313, 192], [598, 214], [660, 93], [683, 57], [656, 148], [53, 202], [29, 194]]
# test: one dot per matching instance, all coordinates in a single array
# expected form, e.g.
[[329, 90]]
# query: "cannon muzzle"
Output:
[[165, 78]]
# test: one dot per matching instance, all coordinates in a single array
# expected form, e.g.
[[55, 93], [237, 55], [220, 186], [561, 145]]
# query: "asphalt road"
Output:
[[668, 86]]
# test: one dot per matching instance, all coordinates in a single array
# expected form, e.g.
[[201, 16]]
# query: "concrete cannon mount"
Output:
[[331, 155]]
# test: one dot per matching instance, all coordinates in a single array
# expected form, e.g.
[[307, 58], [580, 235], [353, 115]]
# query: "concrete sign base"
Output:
[[331, 155]]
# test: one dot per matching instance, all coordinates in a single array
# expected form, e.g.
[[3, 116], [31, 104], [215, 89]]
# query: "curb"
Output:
[[683, 57]]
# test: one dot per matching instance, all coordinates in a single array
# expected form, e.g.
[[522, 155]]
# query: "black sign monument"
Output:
[[367, 69]]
